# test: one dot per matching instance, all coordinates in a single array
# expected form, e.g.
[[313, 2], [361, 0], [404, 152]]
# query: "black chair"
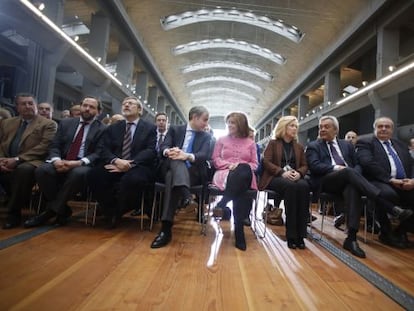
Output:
[[214, 191], [330, 198], [159, 189]]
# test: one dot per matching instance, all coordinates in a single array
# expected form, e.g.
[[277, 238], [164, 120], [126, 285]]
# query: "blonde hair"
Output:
[[281, 125]]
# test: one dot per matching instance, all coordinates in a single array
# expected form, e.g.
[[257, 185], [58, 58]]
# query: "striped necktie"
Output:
[[126, 147], [400, 172]]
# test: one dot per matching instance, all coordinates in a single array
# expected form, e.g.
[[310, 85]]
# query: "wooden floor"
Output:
[[79, 267]]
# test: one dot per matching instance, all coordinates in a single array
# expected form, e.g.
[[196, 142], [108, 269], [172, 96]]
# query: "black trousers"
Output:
[[296, 198], [58, 188], [350, 184], [118, 192], [238, 183], [18, 185]]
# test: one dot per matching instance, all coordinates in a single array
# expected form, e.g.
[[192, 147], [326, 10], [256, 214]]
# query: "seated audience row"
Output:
[[119, 161]]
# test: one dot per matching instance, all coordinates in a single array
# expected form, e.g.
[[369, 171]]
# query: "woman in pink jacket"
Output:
[[235, 160]]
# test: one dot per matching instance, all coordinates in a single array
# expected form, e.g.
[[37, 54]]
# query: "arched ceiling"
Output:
[[232, 55]]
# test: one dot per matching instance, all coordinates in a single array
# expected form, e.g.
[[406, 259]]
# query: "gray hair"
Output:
[[333, 119]]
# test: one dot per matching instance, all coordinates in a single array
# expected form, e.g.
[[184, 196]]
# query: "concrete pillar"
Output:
[[153, 97], [303, 106], [332, 86], [388, 42], [54, 10], [173, 117], [125, 66], [168, 112], [141, 86], [98, 40], [161, 104]]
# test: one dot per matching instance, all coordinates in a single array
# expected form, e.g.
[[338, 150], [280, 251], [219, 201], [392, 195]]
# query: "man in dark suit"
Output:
[[127, 151], [387, 164], [184, 151], [71, 155], [333, 167], [23, 147]]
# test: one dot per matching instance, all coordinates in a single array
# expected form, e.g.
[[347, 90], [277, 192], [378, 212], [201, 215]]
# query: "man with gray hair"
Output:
[[334, 169], [387, 164]]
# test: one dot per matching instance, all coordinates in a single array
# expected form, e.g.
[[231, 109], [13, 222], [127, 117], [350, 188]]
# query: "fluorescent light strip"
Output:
[[224, 79], [222, 90], [376, 84], [229, 44], [60, 32], [232, 15], [230, 65]]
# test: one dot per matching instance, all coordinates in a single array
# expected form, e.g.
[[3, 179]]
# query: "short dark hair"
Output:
[[197, 111], [161, 113], [24, 94], [97, 100]]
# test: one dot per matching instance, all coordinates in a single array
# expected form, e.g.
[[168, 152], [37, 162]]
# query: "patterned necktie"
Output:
[[76, 143], [14, 145], [160, 141], [335, 155], [400, 174], [126, 147]]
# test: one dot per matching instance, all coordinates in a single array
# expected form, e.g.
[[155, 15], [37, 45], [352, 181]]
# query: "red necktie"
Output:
[[76, 144]]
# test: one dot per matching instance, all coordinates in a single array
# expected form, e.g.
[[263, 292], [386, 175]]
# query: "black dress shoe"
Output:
[[300, 243], [391, 240], [11, 223], [39, 219], [247, 222], [401, 213], [291, 243], [354, 248], [339, 220], [161, 240]]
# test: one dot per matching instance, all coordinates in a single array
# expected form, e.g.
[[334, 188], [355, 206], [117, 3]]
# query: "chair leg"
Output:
[[142, 210]]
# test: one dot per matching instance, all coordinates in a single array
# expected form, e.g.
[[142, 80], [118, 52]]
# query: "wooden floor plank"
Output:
[[79, 267]]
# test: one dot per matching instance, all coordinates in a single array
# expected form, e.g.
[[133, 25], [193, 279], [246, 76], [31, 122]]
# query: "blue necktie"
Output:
[[400, 174], [189, 148]]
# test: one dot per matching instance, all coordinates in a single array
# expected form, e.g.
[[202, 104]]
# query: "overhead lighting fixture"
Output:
[[350, 89], [374, 85], [228, 65], [391, 68], [229, 44], [224, 79], [221, 91], [69, 40], [233, 15]]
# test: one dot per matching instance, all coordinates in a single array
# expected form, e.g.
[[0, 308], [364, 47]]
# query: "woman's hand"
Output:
[[233, 166]]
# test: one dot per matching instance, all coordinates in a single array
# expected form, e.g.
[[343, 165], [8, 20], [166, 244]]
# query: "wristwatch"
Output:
[[17, 160]]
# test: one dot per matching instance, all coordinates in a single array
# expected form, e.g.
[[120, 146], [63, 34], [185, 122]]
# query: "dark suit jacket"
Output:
[[34, 142], [272, 161], [65, 135], [201, 145], [374, 160], [143, 143], [320, 163]]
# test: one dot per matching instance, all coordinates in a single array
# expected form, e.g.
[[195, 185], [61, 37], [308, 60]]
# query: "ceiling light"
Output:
[[224, 79], [350, 89], [76, 38], [69, 40], [391, 68], [222, 90], [229, 44], [232, 15], [223, 99], [364, 83], [228, 65]]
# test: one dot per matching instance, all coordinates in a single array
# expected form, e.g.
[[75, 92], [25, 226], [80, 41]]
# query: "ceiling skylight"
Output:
[[232, 15], [228, 65], [229, 44], [224, 79], [222, 91]]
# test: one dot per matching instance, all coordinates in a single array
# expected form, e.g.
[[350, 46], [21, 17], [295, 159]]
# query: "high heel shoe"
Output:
[[239, 235]]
